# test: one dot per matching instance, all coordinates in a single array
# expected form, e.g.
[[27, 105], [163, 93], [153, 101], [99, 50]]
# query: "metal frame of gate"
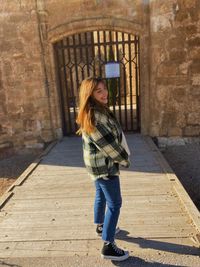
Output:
[[85, 54]]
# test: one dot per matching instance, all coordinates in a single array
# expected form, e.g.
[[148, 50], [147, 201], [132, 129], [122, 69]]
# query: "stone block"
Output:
[[179, 94], [7, 68], [6, 145], [195, 92], [47, 135], [175, 42], [194, 13], [191, 131], [46, 124], [194, 54], [167, 69], [161, 22], [183, 68], [189, 3], [193, 118], [194, 42], [196, 79], [195, 66], [29, 125], [33, 144], [163, 131], [14, 108], [162, 93], [179, 80], [190, 29], [177, 55], [58, 133], [181, 119], [182, 16], [170, 141], [174, 131]]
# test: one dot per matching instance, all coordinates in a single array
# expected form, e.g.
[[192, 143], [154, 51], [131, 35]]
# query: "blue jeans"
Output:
[[107, 193]]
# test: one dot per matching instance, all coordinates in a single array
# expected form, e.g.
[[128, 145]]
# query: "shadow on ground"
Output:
[[137, 262], [158, 245]]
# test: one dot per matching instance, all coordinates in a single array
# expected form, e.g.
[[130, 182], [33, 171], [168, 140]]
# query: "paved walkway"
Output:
[[48, 217]]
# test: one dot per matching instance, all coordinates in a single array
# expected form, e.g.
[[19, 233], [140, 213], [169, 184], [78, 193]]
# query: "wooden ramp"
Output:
[[48, 212]]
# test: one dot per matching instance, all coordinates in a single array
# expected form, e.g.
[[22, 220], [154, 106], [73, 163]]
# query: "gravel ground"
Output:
[[185, 162], [13, 166]]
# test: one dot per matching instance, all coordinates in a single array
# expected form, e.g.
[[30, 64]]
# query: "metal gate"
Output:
[[85, 54]]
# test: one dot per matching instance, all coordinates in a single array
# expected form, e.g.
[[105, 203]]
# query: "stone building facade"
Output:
[[169, 32]]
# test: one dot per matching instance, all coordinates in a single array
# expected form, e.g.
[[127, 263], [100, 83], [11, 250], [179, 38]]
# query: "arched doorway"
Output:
[[85, 54]]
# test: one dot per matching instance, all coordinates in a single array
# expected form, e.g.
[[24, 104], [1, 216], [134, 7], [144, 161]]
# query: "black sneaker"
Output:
[[99, 230], [110, 251]]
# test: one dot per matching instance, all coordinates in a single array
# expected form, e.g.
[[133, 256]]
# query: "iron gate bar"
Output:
[[93, 55], [99, 53], [119, 81], [124, 80], [66, 87], [111, 47], [105, 51], [137, 46], [81, 52], [60, 92], [72, 82], [87, 57], [130, 80], [70, 76], [81, 56], [104, 38]]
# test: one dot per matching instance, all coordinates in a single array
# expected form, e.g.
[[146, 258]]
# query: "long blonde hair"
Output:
[[85, 118]]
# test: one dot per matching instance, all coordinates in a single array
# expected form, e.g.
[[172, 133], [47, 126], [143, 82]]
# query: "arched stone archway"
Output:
[[58, 33]]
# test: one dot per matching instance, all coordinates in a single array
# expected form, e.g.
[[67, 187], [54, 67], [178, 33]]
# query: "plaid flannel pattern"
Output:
[[102, 149]]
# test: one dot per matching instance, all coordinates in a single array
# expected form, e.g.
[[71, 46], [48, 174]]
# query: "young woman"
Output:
[[103, 153]]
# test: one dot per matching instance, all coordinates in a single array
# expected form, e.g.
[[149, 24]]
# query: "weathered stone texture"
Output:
[[169, 56], [175, 42], [22, 78]]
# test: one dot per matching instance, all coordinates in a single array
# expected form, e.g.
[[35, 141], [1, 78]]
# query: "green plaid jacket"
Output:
[[102, 150]]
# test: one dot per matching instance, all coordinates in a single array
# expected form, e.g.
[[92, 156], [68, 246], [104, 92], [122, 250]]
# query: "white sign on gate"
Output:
[[112, 69]]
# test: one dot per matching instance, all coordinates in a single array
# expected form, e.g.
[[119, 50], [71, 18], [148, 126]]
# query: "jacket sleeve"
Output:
[[108, 144]]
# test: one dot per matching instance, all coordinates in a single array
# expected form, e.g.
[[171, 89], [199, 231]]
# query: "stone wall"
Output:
[[175, 68], [169, 56], [24, 104]]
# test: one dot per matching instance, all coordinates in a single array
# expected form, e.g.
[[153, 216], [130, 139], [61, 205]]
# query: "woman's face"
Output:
[[101, 93]]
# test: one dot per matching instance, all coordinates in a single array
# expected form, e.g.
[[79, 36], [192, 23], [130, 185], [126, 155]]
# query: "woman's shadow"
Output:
[[153, 244], [137, 262]]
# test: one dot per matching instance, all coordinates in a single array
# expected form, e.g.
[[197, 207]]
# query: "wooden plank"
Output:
[[168, 198], [48, 194], [134, 212], [128, 202], [71, 177], [74, 205], [86, 190], [91, 247], [13, 216], [5, 198], [60, 233], [63, 221]]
